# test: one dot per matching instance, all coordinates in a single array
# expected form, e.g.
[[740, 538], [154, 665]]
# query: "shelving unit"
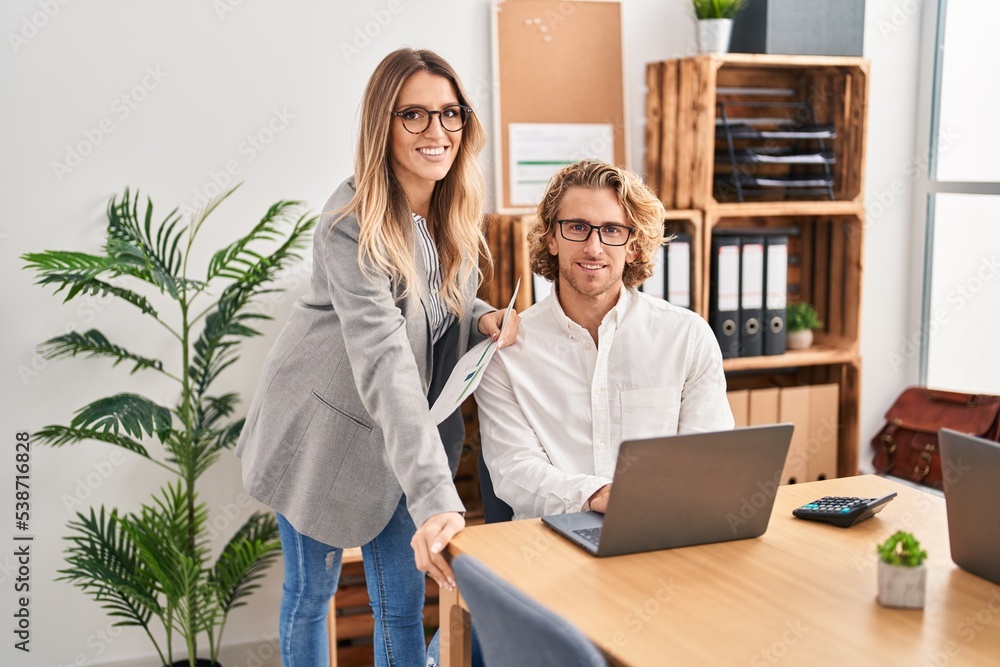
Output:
[[697, 113]]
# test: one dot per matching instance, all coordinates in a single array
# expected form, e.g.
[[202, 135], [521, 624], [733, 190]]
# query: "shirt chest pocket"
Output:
[[650, 413]]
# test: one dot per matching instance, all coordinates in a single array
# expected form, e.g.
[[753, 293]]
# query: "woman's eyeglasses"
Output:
[[417, 119]]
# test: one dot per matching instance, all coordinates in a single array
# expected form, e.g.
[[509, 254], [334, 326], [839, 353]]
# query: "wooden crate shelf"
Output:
[[825, 265], [681, 114], [825, 257]]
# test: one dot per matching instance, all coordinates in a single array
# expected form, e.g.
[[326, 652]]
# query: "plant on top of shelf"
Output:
[[715, 23], [800, 316], [800, 319], [156, 562], [717, 9]]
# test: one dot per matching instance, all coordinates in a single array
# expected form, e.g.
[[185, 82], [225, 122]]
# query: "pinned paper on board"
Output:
[[539, 150]]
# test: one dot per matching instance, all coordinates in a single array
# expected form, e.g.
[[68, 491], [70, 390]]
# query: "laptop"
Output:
[[970, 468], [681, 490]]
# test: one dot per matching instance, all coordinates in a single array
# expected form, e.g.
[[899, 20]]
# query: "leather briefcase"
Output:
[[907, 446]]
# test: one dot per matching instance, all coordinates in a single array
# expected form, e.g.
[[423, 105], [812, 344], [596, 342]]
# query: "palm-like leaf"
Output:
[[104, 562], [154, 258], [229, 320], [77, 272], [93, 343], [57, 436], [131, 412], [243, 560], [237, 258]]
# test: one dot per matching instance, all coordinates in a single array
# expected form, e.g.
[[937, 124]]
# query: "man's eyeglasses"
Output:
[[579, 231], [417, 119]]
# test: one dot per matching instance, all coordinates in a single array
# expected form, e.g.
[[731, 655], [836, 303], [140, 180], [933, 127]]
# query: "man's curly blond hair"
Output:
[[643, 211]]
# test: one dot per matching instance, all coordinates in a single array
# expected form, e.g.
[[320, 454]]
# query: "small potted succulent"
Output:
[[715, 23], [902, 576], [800, 319]]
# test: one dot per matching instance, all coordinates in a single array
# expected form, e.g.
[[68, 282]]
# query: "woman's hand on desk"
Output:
[[490, 324], [599, 501], [430, 540]]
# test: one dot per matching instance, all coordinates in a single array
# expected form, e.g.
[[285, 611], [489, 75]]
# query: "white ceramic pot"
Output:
[[714, 34], [799, 340], [901, 586]]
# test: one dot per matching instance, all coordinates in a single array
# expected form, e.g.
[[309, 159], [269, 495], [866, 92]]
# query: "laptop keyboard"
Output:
[[592, 535]]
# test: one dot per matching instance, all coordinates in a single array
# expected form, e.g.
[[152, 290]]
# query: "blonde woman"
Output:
[[339, 440]]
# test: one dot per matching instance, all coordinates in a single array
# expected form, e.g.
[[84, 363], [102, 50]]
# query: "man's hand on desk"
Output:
[[599, 501]]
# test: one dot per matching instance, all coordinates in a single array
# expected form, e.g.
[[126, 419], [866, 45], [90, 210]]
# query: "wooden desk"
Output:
[[802, 594]]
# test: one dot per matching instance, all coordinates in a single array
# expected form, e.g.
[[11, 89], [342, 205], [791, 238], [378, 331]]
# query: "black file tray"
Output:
[[771, 141]]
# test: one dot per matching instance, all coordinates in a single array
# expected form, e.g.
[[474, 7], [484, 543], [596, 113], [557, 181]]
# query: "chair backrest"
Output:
[[494, 509], [514, 630]]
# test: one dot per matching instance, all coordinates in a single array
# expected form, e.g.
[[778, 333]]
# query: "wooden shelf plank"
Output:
[[716, 210], [817, 355]]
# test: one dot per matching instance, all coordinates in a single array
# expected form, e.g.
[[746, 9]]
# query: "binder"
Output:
[[678, 274], [775, 293], [724, 297], [656, 284], [540, 287], [751, 295]]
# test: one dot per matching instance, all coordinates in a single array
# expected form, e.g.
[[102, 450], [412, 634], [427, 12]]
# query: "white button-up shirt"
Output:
[[554, 407]]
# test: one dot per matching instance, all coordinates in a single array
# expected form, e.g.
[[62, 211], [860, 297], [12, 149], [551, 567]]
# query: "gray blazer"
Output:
[[339, 426]]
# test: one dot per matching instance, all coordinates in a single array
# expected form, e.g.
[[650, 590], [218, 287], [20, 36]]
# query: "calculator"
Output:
[[841, 511]]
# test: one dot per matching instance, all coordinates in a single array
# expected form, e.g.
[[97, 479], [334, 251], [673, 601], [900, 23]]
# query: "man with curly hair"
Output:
[[597, 362]]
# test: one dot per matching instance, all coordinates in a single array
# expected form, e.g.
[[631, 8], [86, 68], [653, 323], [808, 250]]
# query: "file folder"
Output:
[[751, 295], [724, 297], [656, 284], [793, 406], [824, 427], [775, 293], [678, 274]]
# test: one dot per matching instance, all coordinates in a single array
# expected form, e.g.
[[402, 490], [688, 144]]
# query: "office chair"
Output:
[[494, 509], [514, 630]]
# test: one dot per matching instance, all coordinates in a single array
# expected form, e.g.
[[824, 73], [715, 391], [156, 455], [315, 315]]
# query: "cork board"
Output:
[[557, 62]]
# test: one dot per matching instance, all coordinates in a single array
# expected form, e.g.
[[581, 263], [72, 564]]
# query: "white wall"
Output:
[[890, 319], [203, 77]]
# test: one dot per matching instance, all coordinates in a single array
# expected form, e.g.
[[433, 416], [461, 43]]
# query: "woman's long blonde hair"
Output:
[[456, 208]]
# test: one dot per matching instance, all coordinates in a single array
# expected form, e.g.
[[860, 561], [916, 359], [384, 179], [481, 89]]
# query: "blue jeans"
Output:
[[395, 589]]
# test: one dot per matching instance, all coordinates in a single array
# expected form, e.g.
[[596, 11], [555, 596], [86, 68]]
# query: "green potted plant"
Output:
[[902, 575], [156, 563], [715, 23], [800, 320]]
